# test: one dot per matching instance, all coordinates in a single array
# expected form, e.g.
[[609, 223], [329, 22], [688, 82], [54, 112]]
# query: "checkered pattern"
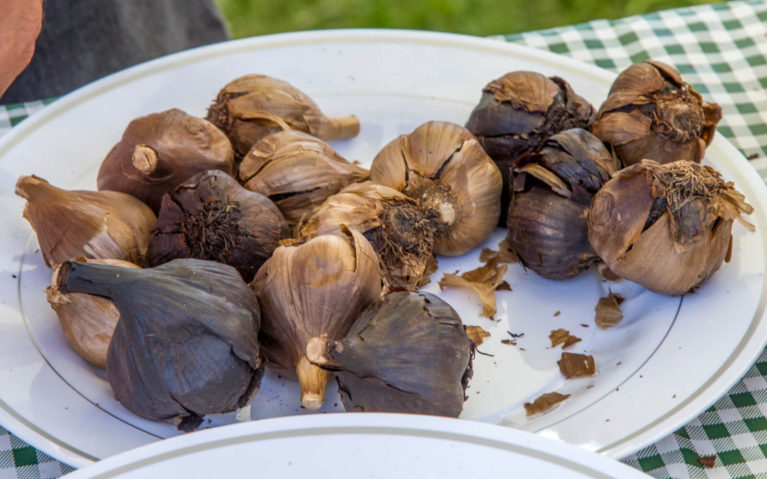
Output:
[[722, 50]]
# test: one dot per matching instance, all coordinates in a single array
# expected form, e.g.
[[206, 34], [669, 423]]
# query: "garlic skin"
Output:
[[652, 113], [399, 231], [442, 166], [297, 171], [550, 195], [518, 112], [252, 106], [407, 353], [310, 289], [186, 344], [88, 321], [159, 151], [210, 216], [92, 224], [666, 227]]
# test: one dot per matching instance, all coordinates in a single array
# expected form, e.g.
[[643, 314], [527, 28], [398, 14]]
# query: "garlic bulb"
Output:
[[159, 151], [252, 106], [297, 171], [92, 224], [407, 353], [518, 112], [310, 289], [210, 216], [652, 113], [550, 196], [87, 321], [186, 344], [399, 231], [666, 227], [443, 167]]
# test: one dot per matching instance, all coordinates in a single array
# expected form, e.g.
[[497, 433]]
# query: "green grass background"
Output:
[[476, 17]]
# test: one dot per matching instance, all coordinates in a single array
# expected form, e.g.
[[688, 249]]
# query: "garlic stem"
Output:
[[145, 159], [340, 127], [313, 381]]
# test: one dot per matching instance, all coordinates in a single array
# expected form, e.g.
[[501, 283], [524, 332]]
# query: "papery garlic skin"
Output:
[[159, 151], [398, 229], [443, 167], [550, 195], [518, 112], [88, 321], [252, 106], [310, 289], [210, 216], [407, 353], [92, 224], [666, 227], [652, 113], [186, 344], [297, 171]]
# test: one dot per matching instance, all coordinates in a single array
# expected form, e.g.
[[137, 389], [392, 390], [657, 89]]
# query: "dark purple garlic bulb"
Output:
[[550, 195], [210, 216], [407, 353], [159, 151], [186, 344], [252, 106], [651, 113], [518, 112]]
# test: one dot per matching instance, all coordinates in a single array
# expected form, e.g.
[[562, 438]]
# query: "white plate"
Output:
[[667, 361], [359, 445]]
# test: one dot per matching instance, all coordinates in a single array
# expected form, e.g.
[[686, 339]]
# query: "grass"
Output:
[[475, 17]]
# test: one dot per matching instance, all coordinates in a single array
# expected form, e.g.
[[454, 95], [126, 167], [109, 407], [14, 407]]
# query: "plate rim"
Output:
[[69, 454]]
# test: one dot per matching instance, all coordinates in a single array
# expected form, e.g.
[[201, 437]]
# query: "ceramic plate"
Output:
[[669, 358], [359, 445]]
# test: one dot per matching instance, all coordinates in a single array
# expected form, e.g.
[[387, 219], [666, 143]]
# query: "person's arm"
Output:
[[20, 23]]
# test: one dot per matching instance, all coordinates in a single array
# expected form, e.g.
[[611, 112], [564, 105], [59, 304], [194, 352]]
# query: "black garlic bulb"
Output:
[[210, 216], [518, 112], [550, 195], [407, 353], [186, 344]]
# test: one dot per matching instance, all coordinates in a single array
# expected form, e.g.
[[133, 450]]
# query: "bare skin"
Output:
[[20, 24]]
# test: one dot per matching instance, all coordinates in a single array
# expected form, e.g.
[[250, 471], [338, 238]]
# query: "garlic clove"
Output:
[[92, 224], [297, 171], [309, 289], [408, 352], [159, 151], [253, 106], [186, 344], [442, 166], [210, 216], [399, 231]]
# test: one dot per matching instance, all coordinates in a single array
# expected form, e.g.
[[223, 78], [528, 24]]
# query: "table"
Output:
[[721, 50]]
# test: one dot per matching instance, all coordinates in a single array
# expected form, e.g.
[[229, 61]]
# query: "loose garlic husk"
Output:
[[159, 151], [443, 167], [252, 106], [92, 224], [297, 171], [88, 321], [666, 227], [398, 229], [310, 289], [652, 113]]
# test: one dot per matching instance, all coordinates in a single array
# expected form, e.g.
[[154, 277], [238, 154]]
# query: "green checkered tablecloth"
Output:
[[722, 50]]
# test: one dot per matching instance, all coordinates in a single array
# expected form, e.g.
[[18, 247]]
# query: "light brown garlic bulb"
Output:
[[88, 321], [92, 224], [444, 168], [297, 172], [399, 231], [310, 289], [666, 227], [252, 106]]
